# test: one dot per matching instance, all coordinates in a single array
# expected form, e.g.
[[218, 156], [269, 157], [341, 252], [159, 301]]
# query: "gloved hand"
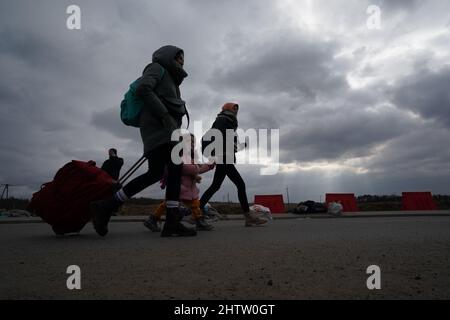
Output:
[[169, 122]]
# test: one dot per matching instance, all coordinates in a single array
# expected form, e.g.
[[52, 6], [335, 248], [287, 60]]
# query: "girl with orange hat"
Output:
[[227, 120]]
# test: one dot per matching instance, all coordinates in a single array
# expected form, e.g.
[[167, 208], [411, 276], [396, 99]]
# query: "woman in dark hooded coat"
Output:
[[161, 115]]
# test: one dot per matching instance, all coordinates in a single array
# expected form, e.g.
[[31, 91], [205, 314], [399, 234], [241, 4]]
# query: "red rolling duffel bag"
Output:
[[64, 202]]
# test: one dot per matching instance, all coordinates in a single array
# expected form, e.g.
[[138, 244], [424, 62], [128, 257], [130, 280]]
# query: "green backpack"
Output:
[[131, 106]]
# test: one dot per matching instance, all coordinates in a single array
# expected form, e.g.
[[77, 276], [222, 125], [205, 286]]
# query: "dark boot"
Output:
[[173, 225], [202, 225], [152, 224], [101, 213]]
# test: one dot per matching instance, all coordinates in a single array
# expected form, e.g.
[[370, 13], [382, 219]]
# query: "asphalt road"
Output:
[[287, 259]]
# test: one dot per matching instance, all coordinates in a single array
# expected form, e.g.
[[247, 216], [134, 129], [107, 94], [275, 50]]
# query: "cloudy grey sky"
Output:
[[359, 110]]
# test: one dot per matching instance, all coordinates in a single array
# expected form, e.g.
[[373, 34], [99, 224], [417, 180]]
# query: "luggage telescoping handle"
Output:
[[132, 170]]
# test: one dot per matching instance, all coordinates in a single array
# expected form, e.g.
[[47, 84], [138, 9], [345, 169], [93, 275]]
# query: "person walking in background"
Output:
[[227, 120], [160, 116], [190, 193], [113, 165]]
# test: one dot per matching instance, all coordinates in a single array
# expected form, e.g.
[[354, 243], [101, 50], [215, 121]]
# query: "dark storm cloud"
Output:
[[427, 94], [286, 62], [109, 120], [342, 133], [422, 149]]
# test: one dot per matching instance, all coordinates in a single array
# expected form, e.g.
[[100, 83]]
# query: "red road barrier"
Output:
[[274, 202], [418, 201]]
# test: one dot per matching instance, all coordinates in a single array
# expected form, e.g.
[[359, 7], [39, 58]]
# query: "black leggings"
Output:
[[158, 159], [223, 170]]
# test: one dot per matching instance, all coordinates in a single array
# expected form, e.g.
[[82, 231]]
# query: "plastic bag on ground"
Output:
[[335, 208], [261, 210]]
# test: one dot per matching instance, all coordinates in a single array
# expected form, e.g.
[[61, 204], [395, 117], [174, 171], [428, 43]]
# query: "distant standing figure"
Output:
[[113, 165]]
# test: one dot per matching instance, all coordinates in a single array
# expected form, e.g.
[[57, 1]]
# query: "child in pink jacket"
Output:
[[189, 192]]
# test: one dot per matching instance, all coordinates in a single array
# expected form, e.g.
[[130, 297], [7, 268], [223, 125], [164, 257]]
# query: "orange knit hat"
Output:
[[230, 106]]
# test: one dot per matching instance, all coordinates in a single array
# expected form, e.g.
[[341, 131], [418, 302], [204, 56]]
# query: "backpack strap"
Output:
[[163, 72]]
